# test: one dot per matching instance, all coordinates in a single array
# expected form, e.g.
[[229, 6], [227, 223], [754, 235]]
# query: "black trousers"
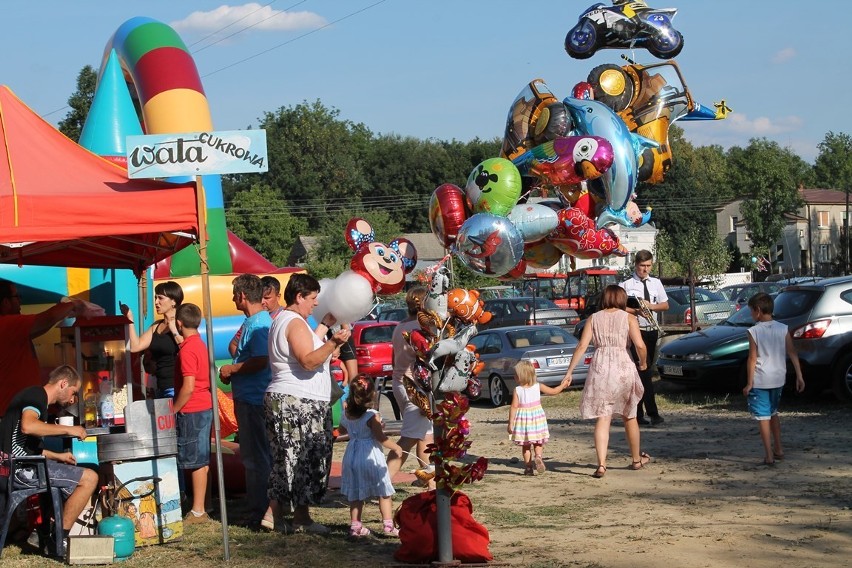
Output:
[[648, 404]]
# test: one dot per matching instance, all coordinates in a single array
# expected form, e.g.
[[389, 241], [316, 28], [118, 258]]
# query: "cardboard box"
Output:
[[90, 550]]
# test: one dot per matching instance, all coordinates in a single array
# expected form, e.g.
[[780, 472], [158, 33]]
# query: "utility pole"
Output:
[[846, 236]]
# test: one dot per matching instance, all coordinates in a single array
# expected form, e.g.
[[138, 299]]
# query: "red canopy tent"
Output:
[[61, 205]]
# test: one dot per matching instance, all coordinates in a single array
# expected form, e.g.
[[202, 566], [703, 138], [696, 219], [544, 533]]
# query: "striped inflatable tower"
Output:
[[162, 77]]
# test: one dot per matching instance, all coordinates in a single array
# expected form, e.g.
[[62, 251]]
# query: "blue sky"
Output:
[[450, 69]]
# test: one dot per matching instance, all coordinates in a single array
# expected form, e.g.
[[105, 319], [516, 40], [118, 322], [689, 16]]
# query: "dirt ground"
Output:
[[706, 500]]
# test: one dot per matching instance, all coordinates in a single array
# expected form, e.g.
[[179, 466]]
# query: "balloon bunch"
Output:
[[453, 445], [375, 268], [448, 319]]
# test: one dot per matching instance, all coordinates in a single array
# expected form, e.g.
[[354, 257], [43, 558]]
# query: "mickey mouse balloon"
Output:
[[383, 265]]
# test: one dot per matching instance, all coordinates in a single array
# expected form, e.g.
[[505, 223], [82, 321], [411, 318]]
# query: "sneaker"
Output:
[[193, 519], [313, 528]]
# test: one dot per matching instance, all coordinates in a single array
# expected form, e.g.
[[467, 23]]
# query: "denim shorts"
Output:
[[763, 403], [194, 439], [62, 475]]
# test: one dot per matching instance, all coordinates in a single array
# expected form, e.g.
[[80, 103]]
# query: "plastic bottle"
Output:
[[90, 416], [106, 407]]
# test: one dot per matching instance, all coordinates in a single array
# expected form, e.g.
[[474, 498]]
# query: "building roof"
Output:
[[823, 196]]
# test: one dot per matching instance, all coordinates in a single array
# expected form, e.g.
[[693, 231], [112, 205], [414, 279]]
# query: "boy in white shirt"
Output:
[[770, 344]]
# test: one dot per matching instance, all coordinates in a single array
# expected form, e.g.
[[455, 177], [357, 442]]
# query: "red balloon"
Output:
[[447, 213], [517, 272], [358, 233]]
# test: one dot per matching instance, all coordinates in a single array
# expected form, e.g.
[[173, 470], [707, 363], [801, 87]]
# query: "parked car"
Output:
[[393, 314], [710, 307], [548, 347], [371, 342], [740, 294], [819, 316], [528, 311]]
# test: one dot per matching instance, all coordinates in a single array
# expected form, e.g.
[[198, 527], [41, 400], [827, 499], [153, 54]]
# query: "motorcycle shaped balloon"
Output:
[[628, 25]]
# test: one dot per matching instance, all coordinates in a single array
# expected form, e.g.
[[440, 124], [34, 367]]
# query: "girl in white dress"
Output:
[[365, 472]]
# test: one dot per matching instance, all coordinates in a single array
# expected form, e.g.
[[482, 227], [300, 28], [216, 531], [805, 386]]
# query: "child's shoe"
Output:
[[529, 470], [357, 530], [389, 529]]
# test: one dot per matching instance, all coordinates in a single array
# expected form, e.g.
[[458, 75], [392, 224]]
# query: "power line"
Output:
[[306, 34], [275, 15]]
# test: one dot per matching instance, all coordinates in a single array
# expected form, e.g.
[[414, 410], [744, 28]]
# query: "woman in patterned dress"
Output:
[[613, 387]]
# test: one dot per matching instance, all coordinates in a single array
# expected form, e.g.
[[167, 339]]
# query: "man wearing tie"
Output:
[[642, 285]]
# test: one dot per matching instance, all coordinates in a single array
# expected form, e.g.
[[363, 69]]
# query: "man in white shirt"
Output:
[[642, 285]]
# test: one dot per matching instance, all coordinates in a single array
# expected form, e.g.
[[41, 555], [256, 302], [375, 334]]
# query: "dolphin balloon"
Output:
[[592, 118]]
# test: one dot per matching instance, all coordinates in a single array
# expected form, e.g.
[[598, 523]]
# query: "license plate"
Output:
[[387, 367], [553, 361], [673, 370], [717, 315], [561, 321]]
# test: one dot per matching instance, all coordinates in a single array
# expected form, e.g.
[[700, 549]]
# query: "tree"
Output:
[[698, 253], [262, 219], [80, 102], [695, 185], [833, 166], [767, 177]]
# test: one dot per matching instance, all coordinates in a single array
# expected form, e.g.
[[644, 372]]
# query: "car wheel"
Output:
[[843, 378], [498, 391]]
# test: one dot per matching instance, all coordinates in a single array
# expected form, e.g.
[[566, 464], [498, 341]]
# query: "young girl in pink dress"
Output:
[[613, 387], [527, 422]]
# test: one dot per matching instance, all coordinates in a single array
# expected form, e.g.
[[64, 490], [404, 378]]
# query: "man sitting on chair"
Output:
[[24, 426]]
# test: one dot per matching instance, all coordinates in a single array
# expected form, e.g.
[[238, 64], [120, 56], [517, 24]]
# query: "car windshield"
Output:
[[539, 336], [701, 295], [792, 303], [741, 317]]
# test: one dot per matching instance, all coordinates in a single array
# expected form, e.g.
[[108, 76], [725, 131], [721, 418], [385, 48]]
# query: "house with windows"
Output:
[[812, 237]]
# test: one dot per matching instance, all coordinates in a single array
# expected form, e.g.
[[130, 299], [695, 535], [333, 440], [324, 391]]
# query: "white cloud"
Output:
[[761, 126], [784, 55], [248, 15]]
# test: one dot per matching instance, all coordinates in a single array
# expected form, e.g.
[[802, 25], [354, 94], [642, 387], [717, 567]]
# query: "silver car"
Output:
[[548, 347]]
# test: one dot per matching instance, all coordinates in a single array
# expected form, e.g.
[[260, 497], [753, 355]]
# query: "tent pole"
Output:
[[208, 318]]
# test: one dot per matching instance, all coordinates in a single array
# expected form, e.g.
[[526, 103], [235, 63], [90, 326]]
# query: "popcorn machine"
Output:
[[99, 348]]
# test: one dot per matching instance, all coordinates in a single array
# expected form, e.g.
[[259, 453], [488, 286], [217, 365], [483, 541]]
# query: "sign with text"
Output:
[[197, 153]]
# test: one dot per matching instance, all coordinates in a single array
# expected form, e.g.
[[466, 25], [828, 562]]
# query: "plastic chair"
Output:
[[17, 492]]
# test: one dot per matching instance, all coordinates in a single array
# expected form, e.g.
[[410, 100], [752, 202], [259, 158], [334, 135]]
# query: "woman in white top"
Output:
[[298, 413]]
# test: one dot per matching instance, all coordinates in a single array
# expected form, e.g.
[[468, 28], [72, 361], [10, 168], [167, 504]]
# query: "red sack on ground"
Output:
[[418, 532]]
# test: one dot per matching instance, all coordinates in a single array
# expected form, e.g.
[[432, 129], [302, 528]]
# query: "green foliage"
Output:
[[694, 186], [697, 251], [463, 277], [80, 102], [767, 177], [833, 166], [261, 218]]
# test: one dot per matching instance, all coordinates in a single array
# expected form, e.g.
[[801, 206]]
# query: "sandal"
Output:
[[389, 529], [358, 531], [644, 459], [600, 472], [529, 470], [778, 457], [539, 465]]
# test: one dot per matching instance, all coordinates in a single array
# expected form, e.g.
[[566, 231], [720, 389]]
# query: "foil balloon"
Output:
[[533, 220], [536, 116], [447, 212], [567, 160], [489, 245], [493, 186], [384, 266], [542, 254], [518, 272], [577, 236]]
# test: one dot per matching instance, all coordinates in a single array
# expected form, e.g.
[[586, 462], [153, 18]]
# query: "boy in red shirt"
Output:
[[193, 408]]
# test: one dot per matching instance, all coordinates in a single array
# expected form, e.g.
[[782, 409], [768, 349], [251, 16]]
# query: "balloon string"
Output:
[[434, 268]]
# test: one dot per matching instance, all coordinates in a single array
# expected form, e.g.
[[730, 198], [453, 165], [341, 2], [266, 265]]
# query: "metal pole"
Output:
[[208, 318], [846, 237], [442, 513]]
